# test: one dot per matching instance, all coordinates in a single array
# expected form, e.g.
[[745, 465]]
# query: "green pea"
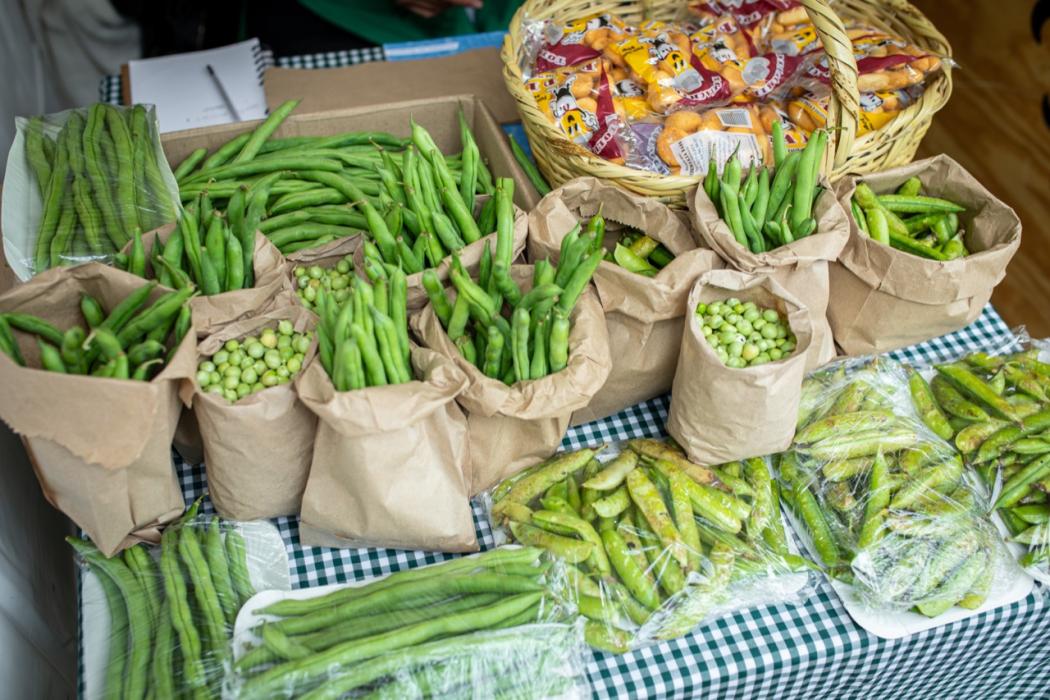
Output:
[[286, 353], [769, 331], [736, 349], [230, 395], [744, 326], [257, 386], [259, 367], [255, 350], [232, 345], [246, 363], [301, 343], [299, 271], [231, 382], [293, 365], [206, 366], [771, 315], [707, 330], [340, 283], [284, 327], [315, 271], [701, 308], [272, 358], [270, 378], [310, 294], [220, 358], [268, 338], [343, 266], [203, 378], [243, 390], [249, 376], [284, 341], [215, 388], [752, 315], [342, 295], [215, 378], [749, 352], [236, 357], [283, 372], [775, 354]]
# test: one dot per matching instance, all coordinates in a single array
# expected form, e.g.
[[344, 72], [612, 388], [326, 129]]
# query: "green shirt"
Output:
[[384, 22]]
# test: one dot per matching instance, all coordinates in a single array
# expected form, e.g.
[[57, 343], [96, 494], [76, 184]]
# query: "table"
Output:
[[805, 650]]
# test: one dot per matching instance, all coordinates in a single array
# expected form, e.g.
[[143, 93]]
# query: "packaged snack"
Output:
[[577, 42], [689, 140]]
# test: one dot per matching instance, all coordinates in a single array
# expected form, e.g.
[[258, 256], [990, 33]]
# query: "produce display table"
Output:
[[806, 650]]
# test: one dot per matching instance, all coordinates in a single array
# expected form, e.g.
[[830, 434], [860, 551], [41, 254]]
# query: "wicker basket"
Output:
[[895, 143]]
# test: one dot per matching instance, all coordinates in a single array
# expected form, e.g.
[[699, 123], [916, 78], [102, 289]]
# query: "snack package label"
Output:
[[603, 141], [764, 74], [694, 152]]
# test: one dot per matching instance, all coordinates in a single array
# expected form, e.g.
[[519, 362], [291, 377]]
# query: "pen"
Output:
[[222, 91]]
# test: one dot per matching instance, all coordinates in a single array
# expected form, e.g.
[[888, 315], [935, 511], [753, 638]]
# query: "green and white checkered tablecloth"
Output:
[[807, 650]]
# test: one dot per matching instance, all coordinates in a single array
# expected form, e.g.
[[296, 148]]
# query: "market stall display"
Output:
[[519, 408], [993, 408], [887, 504], [651, 260], [347, 319], [384, 634], [884, 296], [644, 96], [98, 175], [256, 434], [653, 543]]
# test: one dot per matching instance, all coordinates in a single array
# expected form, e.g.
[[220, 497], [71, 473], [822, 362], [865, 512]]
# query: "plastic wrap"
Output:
[[993, 406], [653, 544], [473, 627], [887, 505], [79, 182], [159, 620]]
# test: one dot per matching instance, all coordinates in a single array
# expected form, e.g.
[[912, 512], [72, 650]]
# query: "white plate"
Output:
[[1010, 585], [267, 568]]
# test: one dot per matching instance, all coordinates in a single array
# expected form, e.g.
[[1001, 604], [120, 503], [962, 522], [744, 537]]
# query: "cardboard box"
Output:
[[438, 115], [478, 72]]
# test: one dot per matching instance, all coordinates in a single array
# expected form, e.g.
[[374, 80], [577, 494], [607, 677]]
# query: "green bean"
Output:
[[190, 163], [139, 632], [181, 615], [613, 474], [117, 654], [8, 343], [95, 175], [35, 155], [36, 326], [264, 130], [649, 503], [237, 558], [1018, 486], [123, 167], [227, 151], [52, 204], [969, 383], [141, 565], [64, 234], [806, 180], [208, 604]]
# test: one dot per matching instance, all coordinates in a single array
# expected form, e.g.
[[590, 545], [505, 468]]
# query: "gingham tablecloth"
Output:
[[811, 649]]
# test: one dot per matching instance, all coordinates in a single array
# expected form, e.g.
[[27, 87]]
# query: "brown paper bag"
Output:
[[211, 312], [512, 427], [800, 267], [469, 256], [256, 451], [883, 298], [101, 447], [719, 414], [389, 463], [643, 314]]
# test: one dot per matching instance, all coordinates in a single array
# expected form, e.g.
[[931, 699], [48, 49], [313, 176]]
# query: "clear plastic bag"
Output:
[[653, 544], [887, 504], [475, 626], [160, 619], [79, 182], [994, 406]]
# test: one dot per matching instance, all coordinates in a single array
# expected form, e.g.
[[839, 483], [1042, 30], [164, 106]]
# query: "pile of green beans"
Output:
[[363, 341], [335, 281], [204, 251], [930, 228], [996, 411], [327, 646], [772, 206], [644, 526], [133, 341], [744, 335], [171, 608], [639, 253], [528, 166], [255, 363], [415, 203], [887, 504], [534, 342], [99, 181]]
